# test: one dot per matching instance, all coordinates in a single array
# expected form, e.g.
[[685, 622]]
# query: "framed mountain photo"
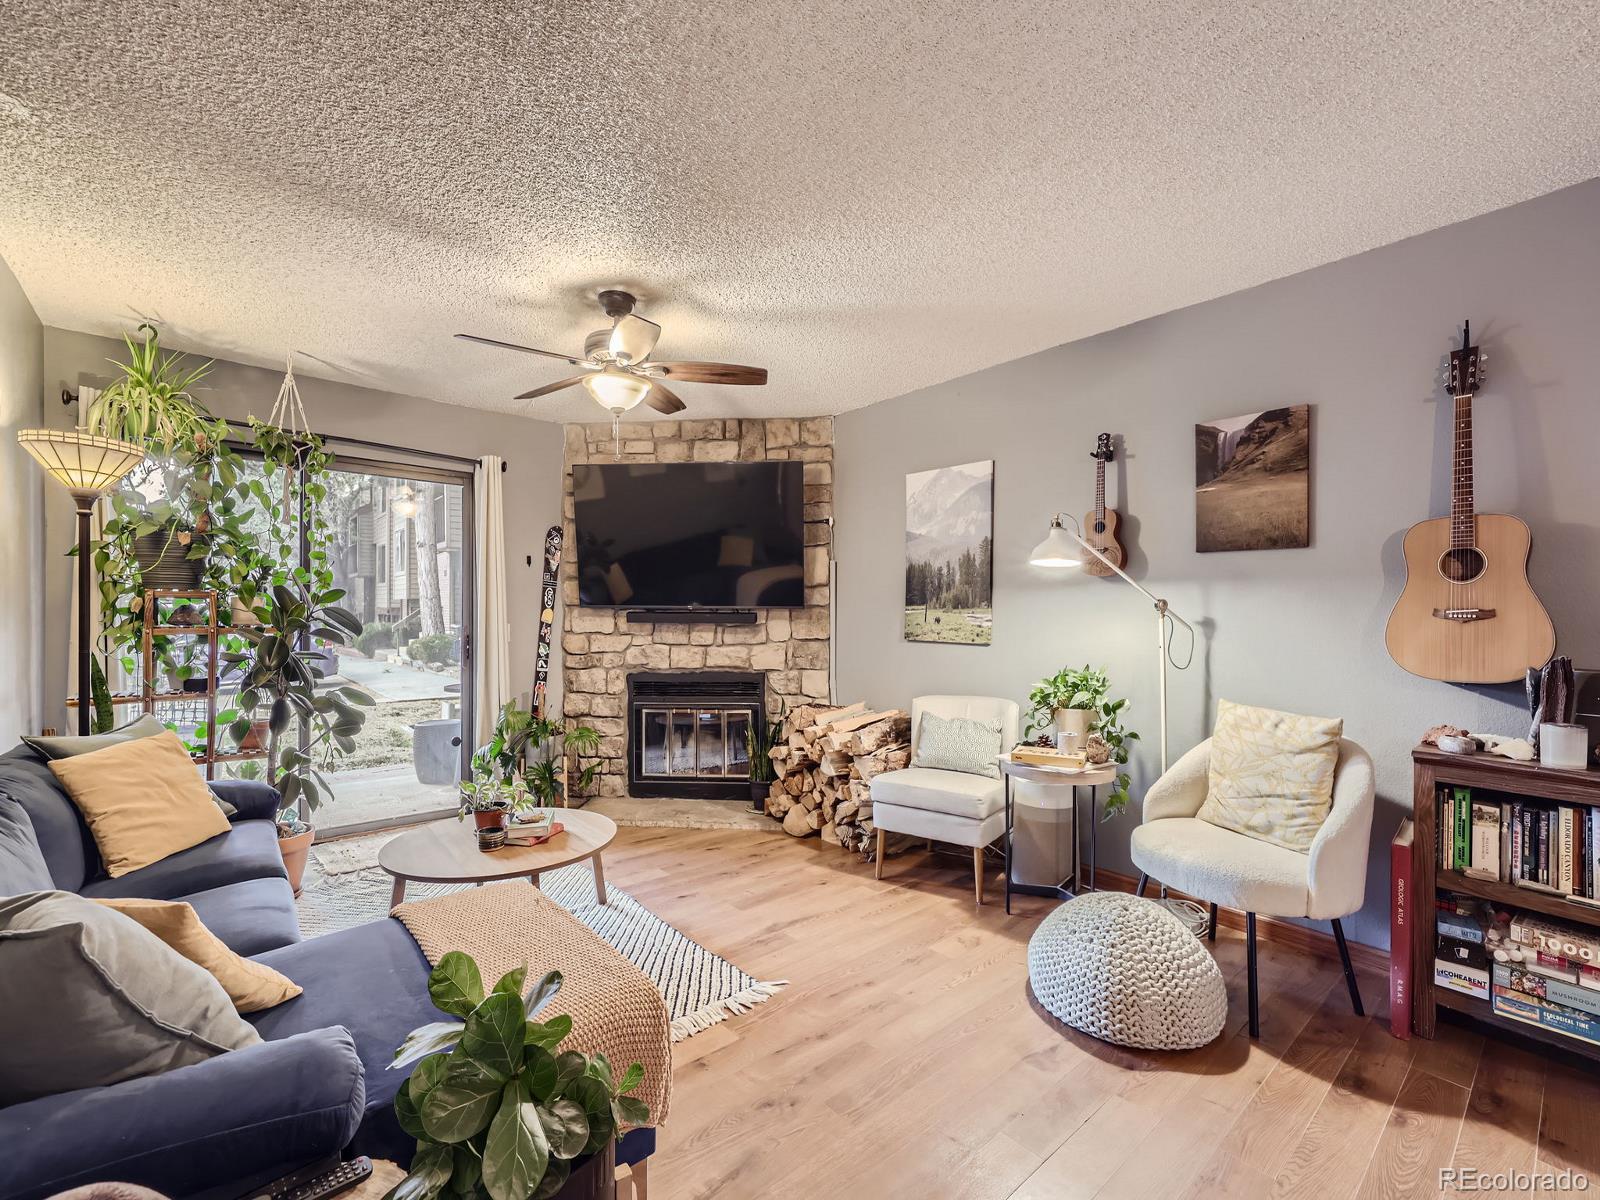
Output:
[[1252, 481], [950, 555]]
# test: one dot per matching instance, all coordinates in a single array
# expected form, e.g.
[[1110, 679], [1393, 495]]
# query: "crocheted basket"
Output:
[[1125, 970]]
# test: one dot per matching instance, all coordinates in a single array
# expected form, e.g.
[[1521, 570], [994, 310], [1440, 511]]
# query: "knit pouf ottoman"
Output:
[[1125, 970]]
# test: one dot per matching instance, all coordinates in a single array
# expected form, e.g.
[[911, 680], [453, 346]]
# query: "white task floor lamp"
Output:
[[1063, 547]]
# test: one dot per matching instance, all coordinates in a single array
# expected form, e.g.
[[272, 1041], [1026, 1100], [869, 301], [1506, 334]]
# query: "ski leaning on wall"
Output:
[[547, 616]]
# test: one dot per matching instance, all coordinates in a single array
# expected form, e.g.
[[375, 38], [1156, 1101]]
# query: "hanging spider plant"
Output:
[[151, 404]]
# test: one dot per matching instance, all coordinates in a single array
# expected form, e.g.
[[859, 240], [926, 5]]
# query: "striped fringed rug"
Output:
[[701, 988]]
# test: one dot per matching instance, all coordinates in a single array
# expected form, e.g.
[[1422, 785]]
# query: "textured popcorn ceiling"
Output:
[[864, 198]]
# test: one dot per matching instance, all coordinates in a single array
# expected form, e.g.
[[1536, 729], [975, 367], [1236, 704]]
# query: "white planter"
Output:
[[1072, 727]]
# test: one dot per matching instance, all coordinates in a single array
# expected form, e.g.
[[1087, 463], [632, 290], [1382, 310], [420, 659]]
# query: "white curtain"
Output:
[[491, 660]]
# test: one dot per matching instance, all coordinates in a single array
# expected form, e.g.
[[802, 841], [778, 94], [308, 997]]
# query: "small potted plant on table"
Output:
[[1077, 704], [491, 800]]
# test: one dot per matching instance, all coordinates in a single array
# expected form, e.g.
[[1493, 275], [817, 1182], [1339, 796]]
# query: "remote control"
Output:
[[318, 1181]]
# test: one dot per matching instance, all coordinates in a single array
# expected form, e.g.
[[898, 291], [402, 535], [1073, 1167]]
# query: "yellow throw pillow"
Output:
[[252, 986], [143, 800], [1271, 774]]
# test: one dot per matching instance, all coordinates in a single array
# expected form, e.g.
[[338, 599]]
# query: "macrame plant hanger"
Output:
[[289, 415]]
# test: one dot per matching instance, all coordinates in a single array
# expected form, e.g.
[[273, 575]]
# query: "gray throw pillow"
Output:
[[957, 744], [89, 997], [22, 865], [71, 745]]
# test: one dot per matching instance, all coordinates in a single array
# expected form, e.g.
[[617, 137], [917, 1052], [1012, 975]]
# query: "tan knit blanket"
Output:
[[615, 1008]]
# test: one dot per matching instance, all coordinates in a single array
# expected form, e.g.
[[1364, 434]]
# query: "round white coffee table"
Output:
[[447, 852]]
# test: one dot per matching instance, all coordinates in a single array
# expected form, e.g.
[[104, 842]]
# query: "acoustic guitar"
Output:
[[1100, 526], [1468, 613]]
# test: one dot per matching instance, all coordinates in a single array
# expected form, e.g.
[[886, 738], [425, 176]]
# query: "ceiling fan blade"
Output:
[[551, 387], [632, 338], [662, 399], [710, 372], [566, 358]]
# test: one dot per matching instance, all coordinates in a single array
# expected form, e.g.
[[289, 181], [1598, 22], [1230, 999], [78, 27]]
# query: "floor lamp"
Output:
[[1062, 547], [88, 466]]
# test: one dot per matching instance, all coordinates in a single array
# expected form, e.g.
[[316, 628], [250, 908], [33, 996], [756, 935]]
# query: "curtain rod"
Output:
[[68, 398], [371, 445]]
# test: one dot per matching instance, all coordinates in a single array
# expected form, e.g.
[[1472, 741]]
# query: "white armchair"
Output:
[[1239, 872], [947, 806]]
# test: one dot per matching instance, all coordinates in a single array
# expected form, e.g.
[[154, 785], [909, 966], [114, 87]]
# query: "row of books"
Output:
[[1533, 844], [1531, 968]]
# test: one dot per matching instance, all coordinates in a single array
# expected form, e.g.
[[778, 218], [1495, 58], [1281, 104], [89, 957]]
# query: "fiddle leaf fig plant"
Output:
[[1088, 689], [497, 1108]]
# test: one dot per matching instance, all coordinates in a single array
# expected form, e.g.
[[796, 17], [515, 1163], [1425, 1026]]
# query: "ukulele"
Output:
[[1100, 526], [1467, 613]]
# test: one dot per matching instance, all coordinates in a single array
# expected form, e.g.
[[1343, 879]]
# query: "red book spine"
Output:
[[1401, 919]]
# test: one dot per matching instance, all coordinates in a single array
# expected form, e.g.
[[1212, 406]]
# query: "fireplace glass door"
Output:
[[694, 743]]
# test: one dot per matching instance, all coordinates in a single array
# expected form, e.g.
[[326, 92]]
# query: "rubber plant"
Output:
[[497, 1108], [1090, 689], [280, 672]]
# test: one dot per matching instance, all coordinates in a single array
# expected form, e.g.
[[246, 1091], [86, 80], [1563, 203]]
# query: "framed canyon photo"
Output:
[[1252, 481], [950, 555]]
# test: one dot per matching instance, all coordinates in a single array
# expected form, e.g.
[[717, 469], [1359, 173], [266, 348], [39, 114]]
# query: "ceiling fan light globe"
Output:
[[616, 391]]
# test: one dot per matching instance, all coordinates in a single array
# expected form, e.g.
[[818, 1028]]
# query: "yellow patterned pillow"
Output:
[[1271, 773]]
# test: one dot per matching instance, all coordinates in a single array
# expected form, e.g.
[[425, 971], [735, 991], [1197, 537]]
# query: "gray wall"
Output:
[[21, 492], [532, 483], [1362, 341]]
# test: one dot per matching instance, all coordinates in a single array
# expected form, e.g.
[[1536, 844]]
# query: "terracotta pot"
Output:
[[257, 738], [295, 850], [492, 818]]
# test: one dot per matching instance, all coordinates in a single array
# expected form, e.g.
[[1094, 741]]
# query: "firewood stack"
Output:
[[825, 766]]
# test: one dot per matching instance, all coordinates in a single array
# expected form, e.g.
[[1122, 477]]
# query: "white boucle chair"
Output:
[[947, 806], [1227, 868]]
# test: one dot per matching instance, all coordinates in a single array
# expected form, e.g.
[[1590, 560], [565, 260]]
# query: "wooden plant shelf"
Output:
[[1430, 768]]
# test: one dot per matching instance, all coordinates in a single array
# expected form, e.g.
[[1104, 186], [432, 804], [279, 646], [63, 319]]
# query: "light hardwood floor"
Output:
[[905, 1058]]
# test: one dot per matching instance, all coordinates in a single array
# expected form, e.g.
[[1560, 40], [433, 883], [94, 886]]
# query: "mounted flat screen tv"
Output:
[[690, 535]]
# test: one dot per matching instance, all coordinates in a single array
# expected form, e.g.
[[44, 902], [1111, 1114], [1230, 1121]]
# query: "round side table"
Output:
[[1058, 789]]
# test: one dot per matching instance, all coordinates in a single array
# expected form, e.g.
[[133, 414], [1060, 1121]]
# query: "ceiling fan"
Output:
[[618, 371]]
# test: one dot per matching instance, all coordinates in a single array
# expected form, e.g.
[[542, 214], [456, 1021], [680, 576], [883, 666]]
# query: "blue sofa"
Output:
[[316, 1085]]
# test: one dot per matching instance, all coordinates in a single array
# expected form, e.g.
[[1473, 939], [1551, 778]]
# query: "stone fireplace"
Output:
[[785, 651]]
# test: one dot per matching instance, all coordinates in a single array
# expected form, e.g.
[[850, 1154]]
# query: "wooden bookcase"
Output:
[[1430, 768]]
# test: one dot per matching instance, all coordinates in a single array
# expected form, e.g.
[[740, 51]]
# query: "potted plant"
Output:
[[518, 733], [151, 404], [491, 800], [1079, 703], [760, 738], [497, 1108], [281, 675]]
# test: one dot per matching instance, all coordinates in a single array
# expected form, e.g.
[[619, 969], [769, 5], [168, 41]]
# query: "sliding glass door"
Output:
[[402, 552]]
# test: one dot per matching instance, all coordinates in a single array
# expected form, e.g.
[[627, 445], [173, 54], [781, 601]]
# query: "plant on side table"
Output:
[[497, 1109], [1078, 702], [281, 672]]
